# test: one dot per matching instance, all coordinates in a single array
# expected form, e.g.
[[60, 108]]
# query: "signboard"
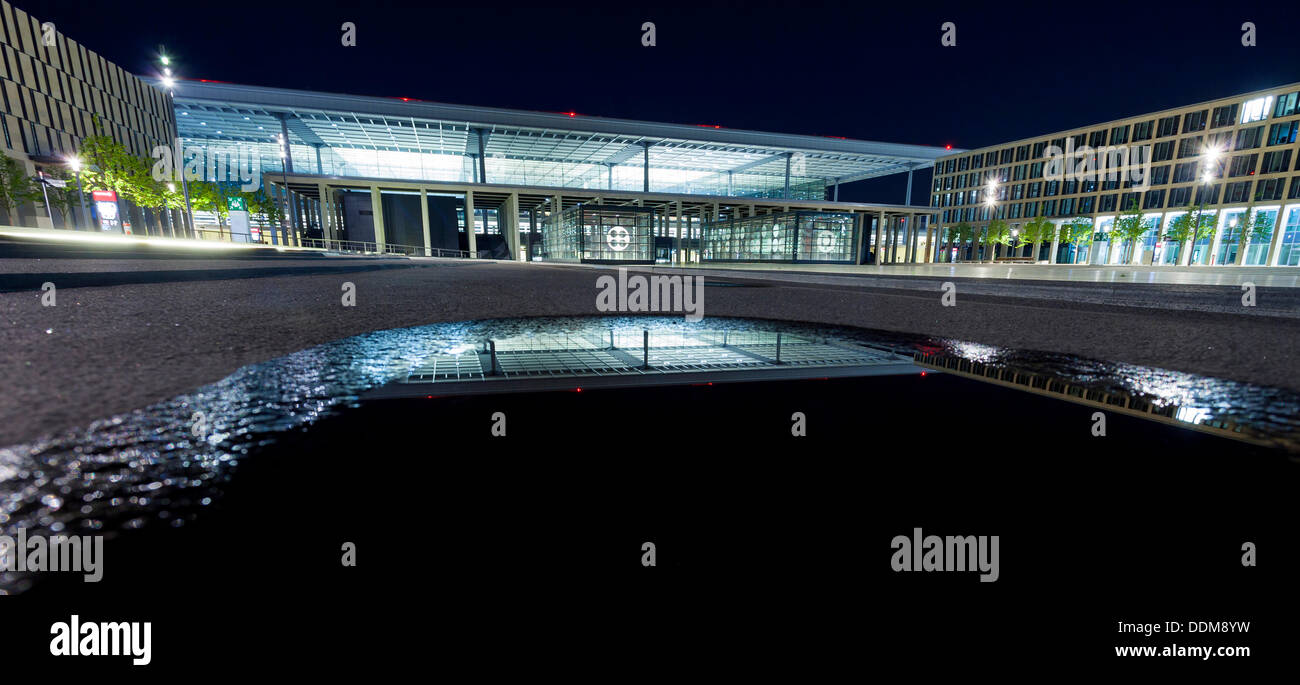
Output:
[[240, 231], [106, 210]]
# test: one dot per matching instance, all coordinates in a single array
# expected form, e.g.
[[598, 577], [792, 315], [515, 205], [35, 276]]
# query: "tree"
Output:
[[211, 196], [1129, 228], [1077, 231], [266, 209], [999, 233], [63, 198], [1194, 224], [108, 166], [16, 187], [1035, 232], [1253, 223], [965, 234]]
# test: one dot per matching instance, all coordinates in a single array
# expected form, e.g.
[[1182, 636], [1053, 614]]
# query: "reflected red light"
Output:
[[948, 146]]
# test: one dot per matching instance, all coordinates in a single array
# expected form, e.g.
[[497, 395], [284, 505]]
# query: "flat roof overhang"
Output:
[[252, 114]]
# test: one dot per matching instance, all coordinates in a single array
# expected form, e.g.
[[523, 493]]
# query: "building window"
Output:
[[1038, 150], [1162, 151], [1168, 126], [1207, 195], [1294, 193], [1248, 138], [1269, 189], [1119, 135], [1194, 121], [1189, 147], [1142, 131], [1236, 192], [1085, 204], [1224, 116], [1098, 138], [1179, 197], [1283, 134], [1286, 105], [1185, 172], [1022, 153], [1154, 199], [1106, 203], [1275, 162], [1257, 109], [1242, 165]]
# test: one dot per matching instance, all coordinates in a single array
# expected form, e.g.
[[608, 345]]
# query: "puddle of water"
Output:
[[163, 464]]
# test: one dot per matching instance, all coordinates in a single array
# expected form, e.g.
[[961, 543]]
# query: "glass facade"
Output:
[[599, 234], [787, 237], [1225, 156]]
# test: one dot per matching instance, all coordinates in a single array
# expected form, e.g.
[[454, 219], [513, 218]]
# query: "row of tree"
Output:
[[108, 165], [1194, 224]]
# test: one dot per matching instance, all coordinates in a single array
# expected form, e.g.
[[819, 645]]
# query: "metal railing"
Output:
[[363, 247]]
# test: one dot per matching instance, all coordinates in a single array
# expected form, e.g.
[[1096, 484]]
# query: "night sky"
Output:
[[858, 70]]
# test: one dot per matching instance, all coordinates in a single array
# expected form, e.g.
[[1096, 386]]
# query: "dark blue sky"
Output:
[[858, 70]]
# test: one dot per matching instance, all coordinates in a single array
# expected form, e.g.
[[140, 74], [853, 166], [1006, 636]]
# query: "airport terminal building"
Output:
[[1234, 160], [398, 174]]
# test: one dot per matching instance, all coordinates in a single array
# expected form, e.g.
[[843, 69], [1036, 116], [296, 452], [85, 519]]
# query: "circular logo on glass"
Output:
[[618, 238], [826, 241]]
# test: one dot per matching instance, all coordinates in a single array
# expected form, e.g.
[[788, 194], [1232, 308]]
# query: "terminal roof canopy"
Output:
[[528, 148]]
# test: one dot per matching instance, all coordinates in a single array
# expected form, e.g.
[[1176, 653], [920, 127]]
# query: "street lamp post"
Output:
[[75, 163], [991, 200], [169, 81]]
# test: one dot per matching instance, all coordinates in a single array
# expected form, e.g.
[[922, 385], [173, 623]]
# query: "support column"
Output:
[[913, 256], [837, 191], [1275, 245], [860, 234], [377, 214], [1056, 243], [645, 186], [482, 158], [788, 157], [326, 212], [471, 240], [319, 168], [909, 185], [509, 223], [1218, 237], [424, 222], [532, 229], [880, 227], [677, 234]]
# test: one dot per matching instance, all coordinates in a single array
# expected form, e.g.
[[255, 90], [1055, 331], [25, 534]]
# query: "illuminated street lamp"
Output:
[[169, 82], [75, 164]]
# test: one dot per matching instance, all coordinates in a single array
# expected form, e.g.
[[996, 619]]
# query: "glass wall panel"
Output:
[[1289, 249], [599, 234], [785, 237]]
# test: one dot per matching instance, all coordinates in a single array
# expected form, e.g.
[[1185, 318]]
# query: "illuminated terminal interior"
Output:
[[402, 175], [823, 237]]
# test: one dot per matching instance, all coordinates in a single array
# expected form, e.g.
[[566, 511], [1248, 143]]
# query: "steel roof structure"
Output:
[[443, 142]]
